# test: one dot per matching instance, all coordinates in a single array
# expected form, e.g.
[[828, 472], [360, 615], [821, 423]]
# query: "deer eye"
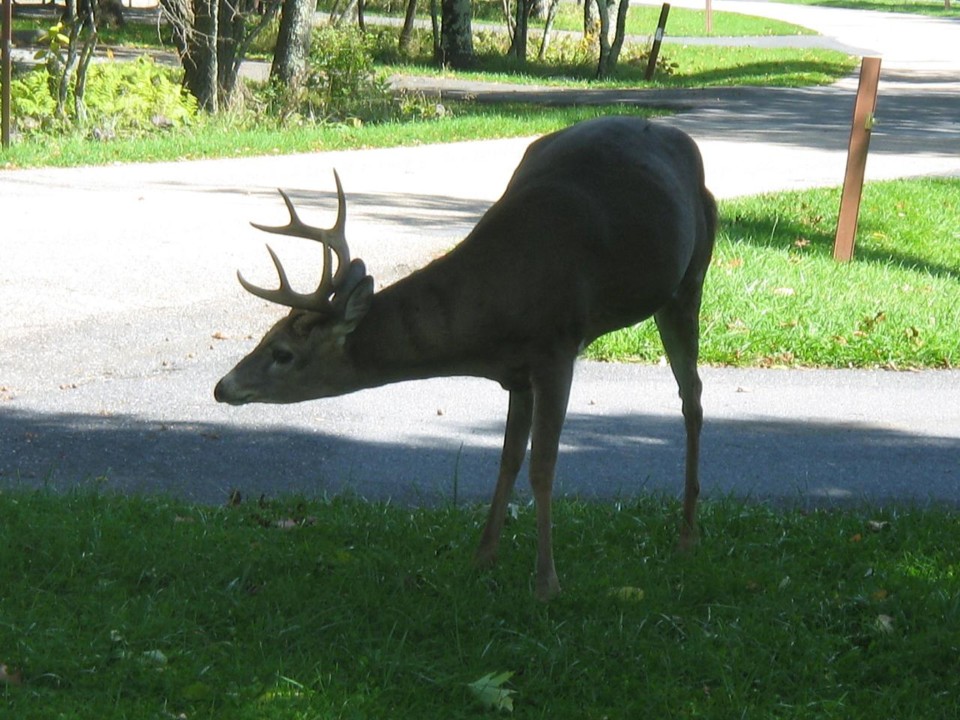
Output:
[[282, 356]]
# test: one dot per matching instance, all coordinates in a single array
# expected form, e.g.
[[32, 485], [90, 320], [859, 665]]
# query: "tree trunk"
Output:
[[618, 36], [456, 34], [86, 55], [604, 13], [435, 26], [518, 47], [293, 42], [588, 16], [509, 18], [231, 25], [548, 29], [196, 35], [406, 33]]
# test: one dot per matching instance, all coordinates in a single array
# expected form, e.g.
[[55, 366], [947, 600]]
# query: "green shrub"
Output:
[[341, 84], [121, 98]]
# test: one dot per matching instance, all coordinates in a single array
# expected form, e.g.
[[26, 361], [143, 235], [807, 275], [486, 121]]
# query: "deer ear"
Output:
[[356, 305]]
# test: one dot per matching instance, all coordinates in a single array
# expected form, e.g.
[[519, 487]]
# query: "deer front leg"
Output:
[[515, 439], [551, 393]]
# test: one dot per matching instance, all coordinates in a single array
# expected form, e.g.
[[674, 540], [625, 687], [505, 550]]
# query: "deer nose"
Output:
[[219, 394], [226, 391]]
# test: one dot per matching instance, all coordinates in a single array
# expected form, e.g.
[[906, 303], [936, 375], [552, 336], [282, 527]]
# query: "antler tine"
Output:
[[333, 239], [317, 301]]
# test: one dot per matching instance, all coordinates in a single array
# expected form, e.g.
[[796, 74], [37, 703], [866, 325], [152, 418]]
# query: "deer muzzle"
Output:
[[227, 391]]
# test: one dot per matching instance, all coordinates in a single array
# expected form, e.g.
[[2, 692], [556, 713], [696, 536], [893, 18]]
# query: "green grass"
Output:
[[694, 66], [775, 296], [934, 8], [684, 22], [217, 138], [117, 607]]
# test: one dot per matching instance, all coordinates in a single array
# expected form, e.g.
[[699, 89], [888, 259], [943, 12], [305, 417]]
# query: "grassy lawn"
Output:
[[775, 296], [641, 19], [139, 608], [934, 8], [684, 22], [215, 139], [693, 66]]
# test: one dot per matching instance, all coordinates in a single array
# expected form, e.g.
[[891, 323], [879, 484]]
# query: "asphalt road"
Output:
[[120, 310]]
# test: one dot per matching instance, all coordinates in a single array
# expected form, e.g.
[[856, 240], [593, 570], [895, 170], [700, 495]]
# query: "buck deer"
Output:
[[602, 225]]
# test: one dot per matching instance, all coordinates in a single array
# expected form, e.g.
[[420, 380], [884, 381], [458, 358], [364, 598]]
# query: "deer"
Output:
[[603, 224]]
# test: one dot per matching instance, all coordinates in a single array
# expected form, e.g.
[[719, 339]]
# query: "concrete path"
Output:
[[120, 310]]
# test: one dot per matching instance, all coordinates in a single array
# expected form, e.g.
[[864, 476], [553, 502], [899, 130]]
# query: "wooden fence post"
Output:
[[657, 39], [863, 119], [6, 72]]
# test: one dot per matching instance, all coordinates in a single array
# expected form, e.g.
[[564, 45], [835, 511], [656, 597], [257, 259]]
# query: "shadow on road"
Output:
[[601, 457]]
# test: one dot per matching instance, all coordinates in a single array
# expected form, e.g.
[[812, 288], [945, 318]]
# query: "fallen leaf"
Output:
[[490, 692], [884, 624], [154, 657], [877, 525], [627, 593], [9, 676], [856, 538]]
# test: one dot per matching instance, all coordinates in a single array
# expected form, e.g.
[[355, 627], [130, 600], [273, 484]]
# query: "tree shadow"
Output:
[[602, 457]]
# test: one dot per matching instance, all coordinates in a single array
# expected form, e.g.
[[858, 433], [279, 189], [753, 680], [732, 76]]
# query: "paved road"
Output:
[[121, 310]]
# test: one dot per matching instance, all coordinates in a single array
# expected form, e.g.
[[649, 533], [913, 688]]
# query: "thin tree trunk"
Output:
[[548, 29], [409, 21], [518, 47], [604, 13], [267, 12], [619, 36], [435, 26]]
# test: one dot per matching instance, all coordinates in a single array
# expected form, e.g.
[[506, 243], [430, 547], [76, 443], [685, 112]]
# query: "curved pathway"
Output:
[[121, 310]]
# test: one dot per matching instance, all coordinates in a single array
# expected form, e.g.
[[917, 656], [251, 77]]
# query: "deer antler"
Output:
[[334, 240]]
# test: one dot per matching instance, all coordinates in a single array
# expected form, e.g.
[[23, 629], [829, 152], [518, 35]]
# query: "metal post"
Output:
[[863, 118], [657, 39], [6, 73]]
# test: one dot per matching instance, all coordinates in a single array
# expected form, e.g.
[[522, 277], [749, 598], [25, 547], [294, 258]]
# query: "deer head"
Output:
[[302, 356]]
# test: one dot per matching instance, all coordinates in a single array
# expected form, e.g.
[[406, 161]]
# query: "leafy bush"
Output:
[[121, 98], [341, 84]]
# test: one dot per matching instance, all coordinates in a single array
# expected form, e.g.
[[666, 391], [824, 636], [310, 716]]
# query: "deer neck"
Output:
[[419, 327]]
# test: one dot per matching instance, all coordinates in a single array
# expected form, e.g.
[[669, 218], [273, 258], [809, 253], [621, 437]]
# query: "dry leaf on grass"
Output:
[[10, 676]]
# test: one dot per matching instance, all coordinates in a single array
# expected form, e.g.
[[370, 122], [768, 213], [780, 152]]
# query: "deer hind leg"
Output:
[[515, 439], [679, 326]]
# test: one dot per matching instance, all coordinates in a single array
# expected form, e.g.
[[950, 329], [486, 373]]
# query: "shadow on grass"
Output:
[[602, 457], [817, 234]]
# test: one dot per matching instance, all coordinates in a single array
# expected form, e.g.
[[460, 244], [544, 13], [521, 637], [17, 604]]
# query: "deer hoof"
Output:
[[485, 558], [547, 588]]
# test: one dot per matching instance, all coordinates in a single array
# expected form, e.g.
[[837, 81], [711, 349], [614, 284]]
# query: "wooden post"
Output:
[[863, 112], [657, 39], [709, 17], [6, 73]]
